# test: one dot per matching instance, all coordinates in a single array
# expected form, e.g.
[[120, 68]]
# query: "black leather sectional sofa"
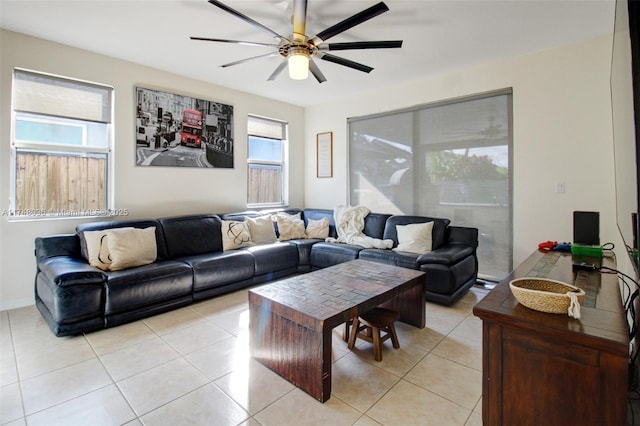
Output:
[[75, 297]]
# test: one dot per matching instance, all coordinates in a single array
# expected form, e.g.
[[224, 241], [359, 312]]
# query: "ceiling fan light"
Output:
[[298, 66]]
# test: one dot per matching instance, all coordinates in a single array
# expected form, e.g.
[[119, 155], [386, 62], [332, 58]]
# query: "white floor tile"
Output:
[[254, 386], [234, 322], [221, 358], [153, 388], [116, 338], [201, 335], [463, 351], [10, 403], [453, 381], [135, 359], [62, 385], [103, 407], [205, 405], [408, 404], [8, 369], [173, 320], [36, 362], [299, 409], [358, 383]]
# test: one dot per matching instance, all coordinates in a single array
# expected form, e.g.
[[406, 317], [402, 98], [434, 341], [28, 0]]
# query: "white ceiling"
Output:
[[439, 36]]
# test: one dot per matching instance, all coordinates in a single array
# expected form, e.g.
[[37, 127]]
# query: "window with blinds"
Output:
[[267, 139], [61, 137]]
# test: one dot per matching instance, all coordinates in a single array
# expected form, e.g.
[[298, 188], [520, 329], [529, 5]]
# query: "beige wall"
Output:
[[144, 191], [562, 133]]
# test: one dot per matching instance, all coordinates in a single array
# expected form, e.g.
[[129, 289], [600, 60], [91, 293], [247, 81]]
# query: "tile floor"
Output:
[[191, 367]]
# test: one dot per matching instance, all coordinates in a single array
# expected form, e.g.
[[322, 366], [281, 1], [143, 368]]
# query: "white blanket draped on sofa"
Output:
[[349, 226]]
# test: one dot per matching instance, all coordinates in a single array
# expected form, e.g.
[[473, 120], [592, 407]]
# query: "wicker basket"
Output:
[[545, 295]]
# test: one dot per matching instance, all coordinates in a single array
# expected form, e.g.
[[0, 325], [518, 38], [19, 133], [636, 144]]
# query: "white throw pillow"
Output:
[[317, 228], [131, 247], [262, 230], [235, 234], [98, 248], [290, 227], [415, 237]]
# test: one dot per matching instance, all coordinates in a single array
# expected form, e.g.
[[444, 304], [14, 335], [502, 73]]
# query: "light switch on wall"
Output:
[[560, 187]]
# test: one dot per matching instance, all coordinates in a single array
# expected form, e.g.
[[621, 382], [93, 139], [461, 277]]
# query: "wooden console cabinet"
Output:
[[551, 369]]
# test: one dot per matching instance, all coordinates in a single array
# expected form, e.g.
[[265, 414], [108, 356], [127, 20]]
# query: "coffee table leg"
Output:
[[411, 305], [298, 353]]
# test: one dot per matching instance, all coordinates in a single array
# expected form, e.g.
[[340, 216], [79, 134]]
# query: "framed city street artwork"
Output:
[[175, 130]]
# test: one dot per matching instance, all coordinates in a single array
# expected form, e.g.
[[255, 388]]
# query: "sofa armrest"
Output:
[[463, 235], [57, 245], [66, 271], [449, 254], [70, 295]]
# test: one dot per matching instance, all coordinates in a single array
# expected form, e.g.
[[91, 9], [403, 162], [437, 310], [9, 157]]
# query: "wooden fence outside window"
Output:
[[55, 184], [264, 185]]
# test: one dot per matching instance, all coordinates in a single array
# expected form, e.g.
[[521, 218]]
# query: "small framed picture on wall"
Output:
[[324, 155]]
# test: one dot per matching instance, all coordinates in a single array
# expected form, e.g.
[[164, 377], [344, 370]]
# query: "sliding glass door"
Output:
[[450, 159]]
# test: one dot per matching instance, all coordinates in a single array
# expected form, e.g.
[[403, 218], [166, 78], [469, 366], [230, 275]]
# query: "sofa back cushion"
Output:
[[240, 216], [192, 235], [289, 211], [318, 214], [57, 245], [140, 224], [374, 225], [437, 235]]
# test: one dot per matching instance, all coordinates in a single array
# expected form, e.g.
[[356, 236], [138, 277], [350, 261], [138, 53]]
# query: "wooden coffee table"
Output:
[[290, 321]]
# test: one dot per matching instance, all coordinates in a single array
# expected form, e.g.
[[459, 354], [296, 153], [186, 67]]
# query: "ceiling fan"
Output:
[[298, 50]]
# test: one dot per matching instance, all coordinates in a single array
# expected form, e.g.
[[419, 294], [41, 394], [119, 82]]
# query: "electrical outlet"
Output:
[[560, 188]]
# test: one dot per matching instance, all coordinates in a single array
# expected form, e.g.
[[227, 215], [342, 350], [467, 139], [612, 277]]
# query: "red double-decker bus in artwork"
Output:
[[191, 130]]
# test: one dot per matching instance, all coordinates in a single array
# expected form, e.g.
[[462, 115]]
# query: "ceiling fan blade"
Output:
[[246, 19], [246, 43], [350, 22], [345, 62], [299, 19], [389, 44], [315, 70], [242, 61], [277, 71]]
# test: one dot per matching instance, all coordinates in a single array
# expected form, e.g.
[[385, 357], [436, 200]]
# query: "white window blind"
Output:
[[53, 96], [266, 128]]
